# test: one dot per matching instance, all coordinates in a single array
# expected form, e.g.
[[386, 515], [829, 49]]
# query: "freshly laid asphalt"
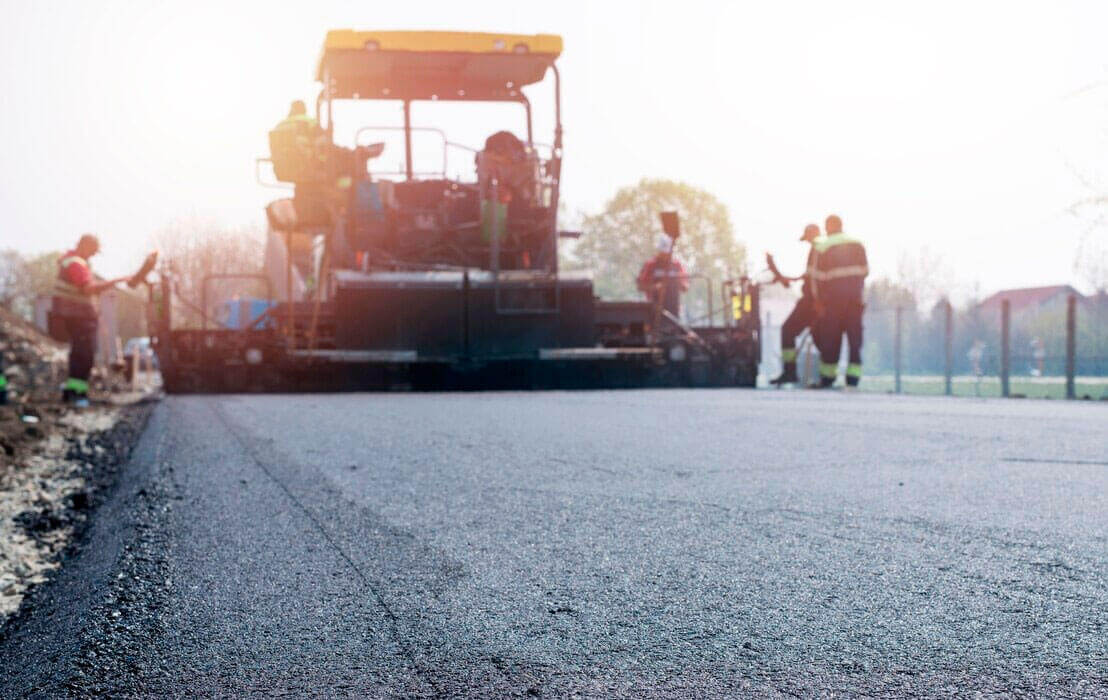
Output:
[[631, 544]]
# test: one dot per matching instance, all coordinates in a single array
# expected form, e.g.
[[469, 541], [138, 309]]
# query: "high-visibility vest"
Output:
[[64, 288], [297, 119], [838, 257], [303, 125]]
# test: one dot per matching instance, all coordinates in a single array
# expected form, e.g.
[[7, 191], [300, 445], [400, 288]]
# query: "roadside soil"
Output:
[[55, 461]]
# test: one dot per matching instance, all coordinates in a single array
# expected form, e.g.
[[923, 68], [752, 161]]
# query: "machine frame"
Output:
[[515, 328]]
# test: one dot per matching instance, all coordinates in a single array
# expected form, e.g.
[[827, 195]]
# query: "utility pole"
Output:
[[1005, 356]]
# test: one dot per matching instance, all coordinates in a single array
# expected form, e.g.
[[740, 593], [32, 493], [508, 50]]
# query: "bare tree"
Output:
[[926, 275], [195, 249], [1091, 259]]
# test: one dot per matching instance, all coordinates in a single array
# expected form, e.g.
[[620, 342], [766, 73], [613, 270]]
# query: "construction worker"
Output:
[[298, 115], [838, 273], [803, 314], [297, 146], [663, 279], [74, 305]]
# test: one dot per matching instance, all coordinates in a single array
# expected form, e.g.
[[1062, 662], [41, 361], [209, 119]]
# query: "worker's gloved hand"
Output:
[[147, 266], [777, 276]]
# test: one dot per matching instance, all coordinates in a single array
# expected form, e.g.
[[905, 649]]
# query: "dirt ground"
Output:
[[50, 456]]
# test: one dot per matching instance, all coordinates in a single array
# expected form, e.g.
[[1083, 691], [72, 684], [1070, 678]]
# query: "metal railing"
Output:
[[1057, 352]]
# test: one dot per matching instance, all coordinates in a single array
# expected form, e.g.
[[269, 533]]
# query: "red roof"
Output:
[[1020, 299]]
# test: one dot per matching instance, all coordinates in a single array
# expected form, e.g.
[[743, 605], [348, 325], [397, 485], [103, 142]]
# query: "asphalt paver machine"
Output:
[[440, 276]]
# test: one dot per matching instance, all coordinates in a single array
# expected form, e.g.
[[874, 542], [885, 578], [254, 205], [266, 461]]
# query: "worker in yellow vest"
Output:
[[838, 274]]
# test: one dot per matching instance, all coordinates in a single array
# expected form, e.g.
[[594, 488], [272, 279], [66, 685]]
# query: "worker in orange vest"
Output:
[[74, 305]]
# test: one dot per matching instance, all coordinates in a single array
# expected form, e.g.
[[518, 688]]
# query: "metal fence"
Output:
[[1058, 352]]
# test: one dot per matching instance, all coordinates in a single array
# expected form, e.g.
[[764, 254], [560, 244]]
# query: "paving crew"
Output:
[[663, 279], [74, 306], [803, 314], [838, 273]]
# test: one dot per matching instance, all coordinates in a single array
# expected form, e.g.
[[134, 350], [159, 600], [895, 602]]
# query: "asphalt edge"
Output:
[[41, 646]]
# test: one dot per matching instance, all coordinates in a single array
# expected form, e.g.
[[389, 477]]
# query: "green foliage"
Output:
[[617, 240]]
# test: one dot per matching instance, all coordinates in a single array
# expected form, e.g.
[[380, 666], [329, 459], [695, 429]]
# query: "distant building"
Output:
[[1032, 299]]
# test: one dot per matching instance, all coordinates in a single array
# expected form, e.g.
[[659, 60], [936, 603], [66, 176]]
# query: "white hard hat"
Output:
[[664, 244]]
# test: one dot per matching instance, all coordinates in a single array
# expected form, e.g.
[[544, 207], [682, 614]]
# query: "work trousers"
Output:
[[802, 316], [82, 347], [842, 315]]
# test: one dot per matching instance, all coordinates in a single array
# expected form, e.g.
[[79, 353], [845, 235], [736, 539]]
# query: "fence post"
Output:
[[1071, 346], [948, 367], [1005, 331], [897, 347]]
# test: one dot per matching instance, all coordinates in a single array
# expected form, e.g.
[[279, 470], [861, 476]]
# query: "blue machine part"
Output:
[[241, 313], [368, 213]]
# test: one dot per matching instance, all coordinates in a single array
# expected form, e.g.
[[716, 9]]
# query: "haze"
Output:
[[967, 128]]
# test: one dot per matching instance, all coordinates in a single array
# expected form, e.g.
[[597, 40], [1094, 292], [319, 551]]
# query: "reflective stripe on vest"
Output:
[[63, 288], [838, 272], [821, 247], [834, 240], [296, 120], [79, 386]]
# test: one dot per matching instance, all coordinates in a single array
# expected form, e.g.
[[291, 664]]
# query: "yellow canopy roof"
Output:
[[445, 65]]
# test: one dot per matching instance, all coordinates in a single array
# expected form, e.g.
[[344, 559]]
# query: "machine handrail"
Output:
[[272, 185], [432, 129], [708, 288]]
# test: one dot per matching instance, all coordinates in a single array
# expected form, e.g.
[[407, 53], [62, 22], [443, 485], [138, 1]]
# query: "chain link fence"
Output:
[[1056, 351]]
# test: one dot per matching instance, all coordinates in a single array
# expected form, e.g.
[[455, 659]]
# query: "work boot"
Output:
[[824, 383], [853, 374], [788, 375], [75, 398]]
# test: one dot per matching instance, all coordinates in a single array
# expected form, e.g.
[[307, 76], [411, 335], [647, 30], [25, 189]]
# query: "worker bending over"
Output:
[[838, 273], [74, 305], [803, 314], [663, 279]]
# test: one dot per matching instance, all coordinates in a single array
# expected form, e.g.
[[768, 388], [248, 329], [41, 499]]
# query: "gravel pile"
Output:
[[44, 494], [51, 458], [33, 362]]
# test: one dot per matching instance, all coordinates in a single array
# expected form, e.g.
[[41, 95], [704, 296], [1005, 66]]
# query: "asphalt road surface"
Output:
[[634, 543]]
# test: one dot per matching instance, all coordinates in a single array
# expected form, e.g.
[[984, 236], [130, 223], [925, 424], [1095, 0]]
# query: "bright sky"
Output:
[[963, 127]]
